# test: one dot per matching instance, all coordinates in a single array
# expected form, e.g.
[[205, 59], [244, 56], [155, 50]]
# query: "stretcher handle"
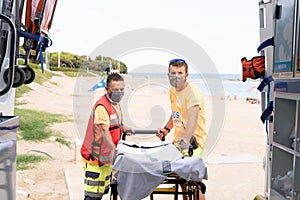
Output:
[[141, 132]]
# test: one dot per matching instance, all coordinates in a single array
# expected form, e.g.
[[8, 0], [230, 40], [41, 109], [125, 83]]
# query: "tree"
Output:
[[100, 63]]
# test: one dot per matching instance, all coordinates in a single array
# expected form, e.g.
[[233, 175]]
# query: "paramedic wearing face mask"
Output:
[[102, 136], [188, 109], [188, 112]]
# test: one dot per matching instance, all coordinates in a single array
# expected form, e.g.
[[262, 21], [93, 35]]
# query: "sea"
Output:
[[228, 85]]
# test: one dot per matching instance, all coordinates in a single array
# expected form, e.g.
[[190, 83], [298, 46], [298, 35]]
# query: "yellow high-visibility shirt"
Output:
[[102, 117]]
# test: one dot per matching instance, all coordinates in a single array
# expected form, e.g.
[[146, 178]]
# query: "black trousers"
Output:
[[91, 198]]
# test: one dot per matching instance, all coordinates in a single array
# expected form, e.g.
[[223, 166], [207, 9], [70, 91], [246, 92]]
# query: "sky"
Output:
[[225, 30]]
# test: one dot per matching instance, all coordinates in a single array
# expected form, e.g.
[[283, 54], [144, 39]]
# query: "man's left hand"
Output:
[[129, 131]]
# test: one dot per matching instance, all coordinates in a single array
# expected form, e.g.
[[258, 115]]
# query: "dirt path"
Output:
[[46, 180]]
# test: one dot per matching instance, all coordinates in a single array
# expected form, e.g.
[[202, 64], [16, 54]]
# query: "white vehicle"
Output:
[[279, 31], [33, 31]]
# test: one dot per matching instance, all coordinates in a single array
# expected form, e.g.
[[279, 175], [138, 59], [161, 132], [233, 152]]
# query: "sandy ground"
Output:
[[46, 180], [234, 164]]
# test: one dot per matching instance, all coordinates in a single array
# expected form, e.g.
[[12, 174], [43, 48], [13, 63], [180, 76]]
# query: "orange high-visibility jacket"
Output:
[[94, 146]]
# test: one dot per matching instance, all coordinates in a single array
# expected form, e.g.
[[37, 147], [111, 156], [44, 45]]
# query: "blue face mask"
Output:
[[115, 97]]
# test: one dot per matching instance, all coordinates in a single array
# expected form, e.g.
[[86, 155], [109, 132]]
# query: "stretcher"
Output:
[[141, 167]]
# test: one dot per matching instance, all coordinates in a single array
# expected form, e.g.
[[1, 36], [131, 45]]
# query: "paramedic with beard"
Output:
[[188, 112], [102, 135]]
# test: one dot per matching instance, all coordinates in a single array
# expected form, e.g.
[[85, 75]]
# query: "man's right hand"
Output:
[[161, 132]]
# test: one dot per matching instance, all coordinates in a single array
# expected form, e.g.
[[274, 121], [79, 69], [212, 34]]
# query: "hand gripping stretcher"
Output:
[[141, 167]]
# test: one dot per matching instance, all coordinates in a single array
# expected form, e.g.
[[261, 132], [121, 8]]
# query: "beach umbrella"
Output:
[[252, 89], [252, 92], [100, 84]]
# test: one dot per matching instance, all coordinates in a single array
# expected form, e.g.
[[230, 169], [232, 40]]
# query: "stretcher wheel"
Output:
[[29, 75], [19, 77]]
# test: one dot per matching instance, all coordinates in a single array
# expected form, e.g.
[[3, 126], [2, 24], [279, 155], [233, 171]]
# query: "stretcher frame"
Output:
[[193, 187], [192, 192]]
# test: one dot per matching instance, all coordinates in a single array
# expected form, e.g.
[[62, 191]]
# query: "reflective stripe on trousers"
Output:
[[96, 179]]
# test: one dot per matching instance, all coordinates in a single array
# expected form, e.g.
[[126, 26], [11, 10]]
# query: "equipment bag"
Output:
[[254, 68]]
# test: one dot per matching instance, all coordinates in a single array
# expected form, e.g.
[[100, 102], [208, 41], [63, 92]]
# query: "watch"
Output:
[[167, 129]]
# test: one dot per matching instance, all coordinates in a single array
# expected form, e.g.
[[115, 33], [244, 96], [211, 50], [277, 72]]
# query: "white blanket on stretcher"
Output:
[[141, 167]]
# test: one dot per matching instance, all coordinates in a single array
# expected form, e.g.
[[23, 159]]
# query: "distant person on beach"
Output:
[[107, 70], [253, 100], [103, 133], [235, 98], [228, 98], [188, 112]]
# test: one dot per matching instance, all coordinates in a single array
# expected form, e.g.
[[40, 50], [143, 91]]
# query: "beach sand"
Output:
[[234, 161]]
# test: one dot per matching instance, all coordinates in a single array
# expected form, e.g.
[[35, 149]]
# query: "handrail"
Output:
[[12, 54]]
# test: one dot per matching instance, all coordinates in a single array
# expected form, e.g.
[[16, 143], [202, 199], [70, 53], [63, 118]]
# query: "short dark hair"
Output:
[[179, 64], [113, 77]]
